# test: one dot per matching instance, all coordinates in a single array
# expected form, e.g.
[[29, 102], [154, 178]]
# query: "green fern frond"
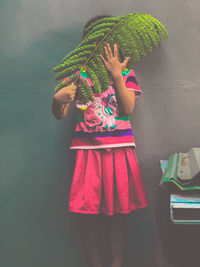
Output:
[[71, 78], [89, 89], [94, 80], [153, 33], [114, 20], [78, 50], [98, 27], [72, 62], [134, 33], [93, 37], [84, 93], [66, 72]]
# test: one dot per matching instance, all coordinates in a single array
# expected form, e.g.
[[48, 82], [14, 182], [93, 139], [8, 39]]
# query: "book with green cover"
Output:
[[182, 171]]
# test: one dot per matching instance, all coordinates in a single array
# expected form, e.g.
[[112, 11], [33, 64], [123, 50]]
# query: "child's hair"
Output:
[[93, 20]]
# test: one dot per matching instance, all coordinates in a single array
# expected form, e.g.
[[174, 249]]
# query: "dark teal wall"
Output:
[[36, 164]]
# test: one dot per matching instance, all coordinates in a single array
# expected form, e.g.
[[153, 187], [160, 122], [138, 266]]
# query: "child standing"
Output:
[[107, 178]]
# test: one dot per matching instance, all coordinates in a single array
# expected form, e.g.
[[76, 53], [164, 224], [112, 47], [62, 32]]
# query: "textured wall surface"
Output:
[[36, 164]]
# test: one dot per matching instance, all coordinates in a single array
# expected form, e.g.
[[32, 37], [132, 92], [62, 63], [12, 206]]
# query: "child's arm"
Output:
[[59, 110], [62, 101], [126, 98]]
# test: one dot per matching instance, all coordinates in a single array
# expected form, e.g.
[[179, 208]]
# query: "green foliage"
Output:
[[134, 34]]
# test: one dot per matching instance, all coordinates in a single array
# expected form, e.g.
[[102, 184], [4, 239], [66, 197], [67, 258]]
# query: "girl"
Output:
[[107, 178]]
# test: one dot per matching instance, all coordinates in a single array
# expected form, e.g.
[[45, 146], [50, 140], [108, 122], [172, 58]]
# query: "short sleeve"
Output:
[[132, 84]]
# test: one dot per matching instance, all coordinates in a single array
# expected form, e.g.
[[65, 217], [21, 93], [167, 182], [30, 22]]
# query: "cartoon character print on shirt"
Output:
[[100, 114]]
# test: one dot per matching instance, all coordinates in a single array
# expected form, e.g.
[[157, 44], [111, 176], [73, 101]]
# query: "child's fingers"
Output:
[[103, 59], [75, 83], [109, 51], [115, 50], [74, 88], [106, 52]]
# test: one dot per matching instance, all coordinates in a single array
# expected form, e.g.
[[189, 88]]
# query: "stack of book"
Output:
[[182, 170], [181, 177], [185, 208]]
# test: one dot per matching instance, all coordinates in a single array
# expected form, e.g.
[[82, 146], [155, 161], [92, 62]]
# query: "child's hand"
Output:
[[112, 64], [66, 94]]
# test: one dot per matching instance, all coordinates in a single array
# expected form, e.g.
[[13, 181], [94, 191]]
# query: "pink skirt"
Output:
[[106, 181]]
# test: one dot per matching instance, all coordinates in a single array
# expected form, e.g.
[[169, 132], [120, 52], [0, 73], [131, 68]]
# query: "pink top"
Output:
[[98, 124]]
